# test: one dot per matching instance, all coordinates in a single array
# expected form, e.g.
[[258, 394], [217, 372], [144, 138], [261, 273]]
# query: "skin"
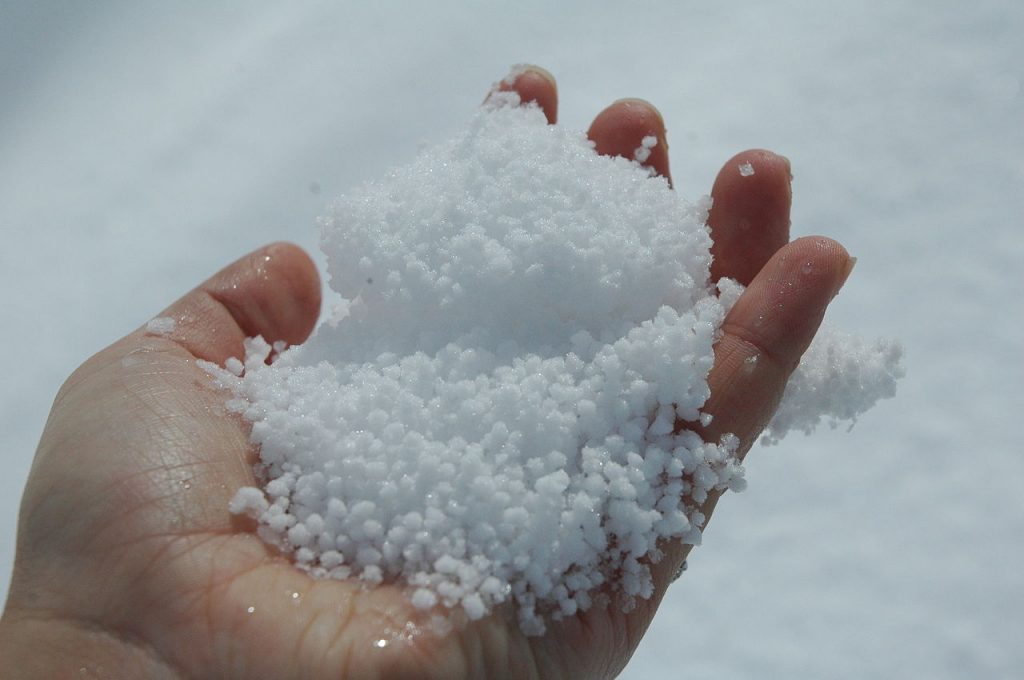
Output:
[[129, 565]]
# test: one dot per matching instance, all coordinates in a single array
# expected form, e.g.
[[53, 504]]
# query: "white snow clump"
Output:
[[497, 414]]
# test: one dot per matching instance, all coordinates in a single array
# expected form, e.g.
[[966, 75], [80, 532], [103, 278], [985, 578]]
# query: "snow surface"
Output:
[[143, 148]]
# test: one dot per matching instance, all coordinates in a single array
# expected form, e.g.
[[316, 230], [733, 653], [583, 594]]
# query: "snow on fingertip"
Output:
[[643, 152]]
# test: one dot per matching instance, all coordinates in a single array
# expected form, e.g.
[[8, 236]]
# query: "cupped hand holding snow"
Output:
[[500, 411]]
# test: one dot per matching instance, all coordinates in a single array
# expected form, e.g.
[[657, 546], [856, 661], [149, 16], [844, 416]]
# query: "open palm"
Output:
[[129, 564]]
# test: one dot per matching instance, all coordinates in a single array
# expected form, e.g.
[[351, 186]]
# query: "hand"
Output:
[[129, 564]]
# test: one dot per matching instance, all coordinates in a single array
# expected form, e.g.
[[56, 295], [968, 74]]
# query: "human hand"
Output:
[[129, 564]]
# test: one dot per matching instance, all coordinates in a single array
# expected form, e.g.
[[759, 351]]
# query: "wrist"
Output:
[[47, 646]]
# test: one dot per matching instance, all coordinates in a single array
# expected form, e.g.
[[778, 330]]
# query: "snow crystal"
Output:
[[248, 501], [234, 365], [513, 73], [643, 152], [162, 325], [746, 169], [494, 415]]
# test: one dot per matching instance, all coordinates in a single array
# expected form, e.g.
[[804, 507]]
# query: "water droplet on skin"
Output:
[[250, 610], [186, 484], [807, 267]]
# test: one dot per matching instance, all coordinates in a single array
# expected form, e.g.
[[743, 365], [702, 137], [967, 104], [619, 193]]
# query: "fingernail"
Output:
[[543, 72], [850, 263], [639, 103], [659, 128], [789, 166]]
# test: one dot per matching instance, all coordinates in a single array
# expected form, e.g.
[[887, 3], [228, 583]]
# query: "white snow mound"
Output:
[[494, 417]]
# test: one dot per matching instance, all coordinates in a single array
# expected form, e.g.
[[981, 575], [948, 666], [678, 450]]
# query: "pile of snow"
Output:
[[498, 411]]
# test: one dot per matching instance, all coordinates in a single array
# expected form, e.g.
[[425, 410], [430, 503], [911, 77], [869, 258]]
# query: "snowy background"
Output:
[[143, 148]]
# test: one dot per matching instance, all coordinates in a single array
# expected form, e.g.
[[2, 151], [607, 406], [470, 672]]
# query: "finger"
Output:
[[749, 216], [534, 84], [273, 292], [621, 128], [766, 333]]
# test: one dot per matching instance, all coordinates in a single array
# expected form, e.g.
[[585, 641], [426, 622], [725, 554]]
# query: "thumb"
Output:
[[273, 292]]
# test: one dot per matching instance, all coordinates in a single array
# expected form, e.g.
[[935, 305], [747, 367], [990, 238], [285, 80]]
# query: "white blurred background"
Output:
[[142, 148]]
